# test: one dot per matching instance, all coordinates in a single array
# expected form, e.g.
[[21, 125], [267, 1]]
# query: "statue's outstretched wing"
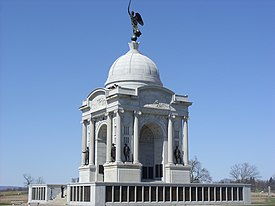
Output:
[[139, 19], [129, 7]]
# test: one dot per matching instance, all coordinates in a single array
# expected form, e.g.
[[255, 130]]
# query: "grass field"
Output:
[[6, 197], [262, 199]]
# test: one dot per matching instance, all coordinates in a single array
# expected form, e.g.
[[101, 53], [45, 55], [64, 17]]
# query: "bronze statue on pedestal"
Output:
[[135, 20]]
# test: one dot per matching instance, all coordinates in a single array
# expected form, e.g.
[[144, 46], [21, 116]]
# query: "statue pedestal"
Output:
[[87, 173], [122, 172], [177, 173]]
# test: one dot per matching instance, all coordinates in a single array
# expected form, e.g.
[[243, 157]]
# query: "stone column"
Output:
[[118, 137], [109, 138], [170, 139], [136, 137], [181, 138], [185, 133], [84, 140], [92, 143]]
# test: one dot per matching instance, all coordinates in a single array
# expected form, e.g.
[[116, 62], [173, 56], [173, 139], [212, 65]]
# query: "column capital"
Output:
[[119, 111], [185, 118], [171, 116], [137, 113], [92, 120], [107, 114], [85, 121]]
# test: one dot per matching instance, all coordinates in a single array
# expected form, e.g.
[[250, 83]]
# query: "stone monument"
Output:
[[134, 125], [135, 144]]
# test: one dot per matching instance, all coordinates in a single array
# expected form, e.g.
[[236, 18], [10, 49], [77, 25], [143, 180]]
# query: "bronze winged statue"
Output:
[[135, 20]]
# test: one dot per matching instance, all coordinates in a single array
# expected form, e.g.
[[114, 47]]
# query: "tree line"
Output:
[[239, 173], [31, 180]]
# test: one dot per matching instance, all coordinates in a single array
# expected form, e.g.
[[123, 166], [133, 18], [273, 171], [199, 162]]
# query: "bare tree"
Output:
[[75, 180], [244, 172], [235, 171], [40, 180], [28, 179], [199, 174]]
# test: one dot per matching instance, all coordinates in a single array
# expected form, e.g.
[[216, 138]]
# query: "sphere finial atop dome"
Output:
[[133, 70]]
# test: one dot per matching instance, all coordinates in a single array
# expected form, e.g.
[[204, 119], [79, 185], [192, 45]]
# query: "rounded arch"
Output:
[[154, 122], [99, 125], [151, 150], [100, 149]]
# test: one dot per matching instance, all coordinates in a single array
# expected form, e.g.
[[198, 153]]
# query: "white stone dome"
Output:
[[133, 70]]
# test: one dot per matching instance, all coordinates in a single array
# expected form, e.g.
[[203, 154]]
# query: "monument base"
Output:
[[177, 173], [87, 173], [122, 172]]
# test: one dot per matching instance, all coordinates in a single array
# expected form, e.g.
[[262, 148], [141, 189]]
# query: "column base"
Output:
[[122, 172], [177, 173], [87, 173]]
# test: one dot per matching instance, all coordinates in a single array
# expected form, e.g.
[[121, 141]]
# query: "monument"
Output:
[[135, 109], [135, 142]]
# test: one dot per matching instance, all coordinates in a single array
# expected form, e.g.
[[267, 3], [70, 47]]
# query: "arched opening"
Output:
[[151, 152], [101, 151]]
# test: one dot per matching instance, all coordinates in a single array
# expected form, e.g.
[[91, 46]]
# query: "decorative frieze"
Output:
[[154, 96]]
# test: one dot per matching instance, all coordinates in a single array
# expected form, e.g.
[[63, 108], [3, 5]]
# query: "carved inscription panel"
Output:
[[99, 102]]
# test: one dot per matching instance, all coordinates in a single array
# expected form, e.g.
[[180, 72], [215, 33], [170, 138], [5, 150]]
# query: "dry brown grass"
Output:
[[262, 199], [6, 197]]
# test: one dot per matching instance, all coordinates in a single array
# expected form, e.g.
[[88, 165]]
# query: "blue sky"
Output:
[[53, 53]]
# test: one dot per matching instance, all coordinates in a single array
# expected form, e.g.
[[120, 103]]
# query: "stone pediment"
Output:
[[97, 100]]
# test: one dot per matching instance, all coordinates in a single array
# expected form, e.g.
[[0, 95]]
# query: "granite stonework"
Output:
[[134, 109], [122, 172], [131, 129]]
